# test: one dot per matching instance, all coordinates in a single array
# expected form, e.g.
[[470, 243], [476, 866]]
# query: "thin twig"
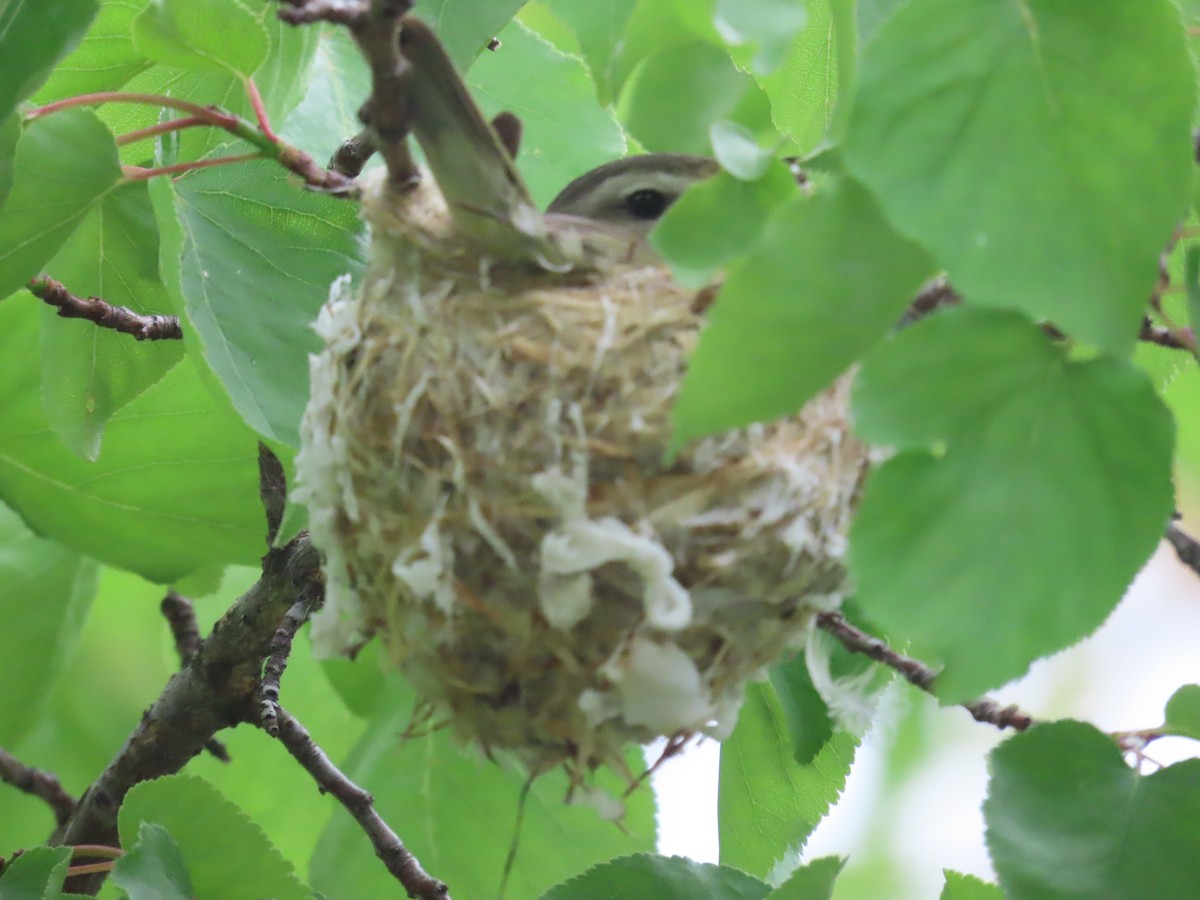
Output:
[[361, 805], [181, 617], [1165, 337], [510, 859], [935, 294], [281, 648], [93, 309], [1186, 547], [939, 293], [917, 672], [38, 784], [272, 491]]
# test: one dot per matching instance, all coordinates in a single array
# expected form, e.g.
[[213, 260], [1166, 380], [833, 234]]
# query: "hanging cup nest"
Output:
[[484, 463]]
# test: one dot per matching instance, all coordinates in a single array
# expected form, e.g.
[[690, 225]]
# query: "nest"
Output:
[[484, 463]]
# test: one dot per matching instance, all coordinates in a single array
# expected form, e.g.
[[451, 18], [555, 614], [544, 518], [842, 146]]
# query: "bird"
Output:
[[602, 217]]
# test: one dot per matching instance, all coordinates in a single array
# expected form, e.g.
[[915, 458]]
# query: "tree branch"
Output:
[[118, 318], [217, 689], [375, 26], [361, 805], [352, 154], [39, 784], [181, 617], [917, 672], [221, 685]]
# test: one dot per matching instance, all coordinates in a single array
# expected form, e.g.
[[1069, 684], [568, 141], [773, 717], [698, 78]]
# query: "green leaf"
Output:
[[367, 685], [1067, 817], [976, 126], [660, 877], [64, 164], [657, 26], [717, 221], [45, 593], [599, 27], [88, 372], [872, 14], [803, 90], [465, 26], [226, 853], [818, 69], [804, 710], [1183, 394], [813, 881], [253, 257], [282, 81], [827, 279], [37, 874], [765, 28], [738, 152], [106, 58], [1017, 464], [967, 887], [33, 37], [328, 114], [768, 804], [10, 133], [154, 869], [565, 131], [679, 92], [1191, 284], [222, 36], [540, 18], [443, 792], [175, 487], [284, 76], [1183, 712]]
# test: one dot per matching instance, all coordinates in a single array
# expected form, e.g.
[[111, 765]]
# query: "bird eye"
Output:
[[647, 203]]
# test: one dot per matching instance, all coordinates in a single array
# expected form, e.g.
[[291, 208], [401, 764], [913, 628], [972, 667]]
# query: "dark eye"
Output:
[[646, 203]]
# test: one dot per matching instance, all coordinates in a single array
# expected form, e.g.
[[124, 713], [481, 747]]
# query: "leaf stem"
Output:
[[207, 114], [103, 851], [90, 869], [260, 110], [137, 173], [132, 137]]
